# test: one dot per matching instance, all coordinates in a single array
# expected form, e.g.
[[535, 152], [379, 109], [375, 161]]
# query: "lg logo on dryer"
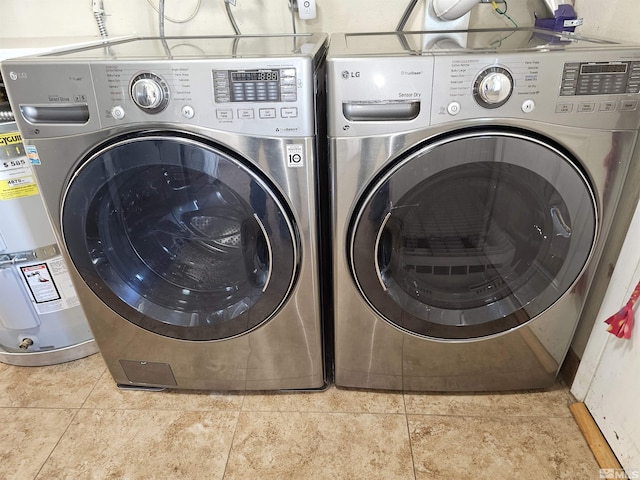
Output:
[[346, 74]]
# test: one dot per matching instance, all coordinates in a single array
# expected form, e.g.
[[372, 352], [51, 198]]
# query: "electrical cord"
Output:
[[405, 16], [163, 39], [161, 18], [293, 15], [232, 19], [191, 16], [503, 12]]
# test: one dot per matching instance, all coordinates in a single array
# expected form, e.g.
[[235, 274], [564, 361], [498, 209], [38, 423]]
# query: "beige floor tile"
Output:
[[332, 400], [28, 436], [553, 402], [136, 445], [446, 447], [66, 385], [292, 445], [106, 395]]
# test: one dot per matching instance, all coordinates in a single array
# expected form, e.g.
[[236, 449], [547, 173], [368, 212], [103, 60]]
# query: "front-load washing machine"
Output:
[[475, 176], [180, 177]]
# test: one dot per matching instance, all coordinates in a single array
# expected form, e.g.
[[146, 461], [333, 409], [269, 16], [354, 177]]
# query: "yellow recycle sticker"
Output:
[[16, 177]]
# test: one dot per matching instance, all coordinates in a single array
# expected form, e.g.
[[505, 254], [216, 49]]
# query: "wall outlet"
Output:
[[307, 9]]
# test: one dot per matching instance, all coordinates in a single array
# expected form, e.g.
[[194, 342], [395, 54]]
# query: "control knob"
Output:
[[149, 92], [493, 87]]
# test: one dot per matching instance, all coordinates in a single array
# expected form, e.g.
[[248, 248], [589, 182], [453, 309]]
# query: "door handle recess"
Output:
[[52, 114], [397, 111]]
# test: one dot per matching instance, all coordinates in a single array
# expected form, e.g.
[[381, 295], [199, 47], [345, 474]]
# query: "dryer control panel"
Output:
[[587, 89], [600, 78]]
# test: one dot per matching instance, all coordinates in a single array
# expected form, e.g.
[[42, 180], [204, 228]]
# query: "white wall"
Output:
[[45, 18], [63, 18], [613, 19]]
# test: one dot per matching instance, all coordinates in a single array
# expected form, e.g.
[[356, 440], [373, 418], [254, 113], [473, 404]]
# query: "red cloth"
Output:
[[621, 323]]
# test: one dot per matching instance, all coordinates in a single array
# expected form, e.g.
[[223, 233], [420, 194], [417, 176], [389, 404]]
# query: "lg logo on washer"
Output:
[[346, 74]]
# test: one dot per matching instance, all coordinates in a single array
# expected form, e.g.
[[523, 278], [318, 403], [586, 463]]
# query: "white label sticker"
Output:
[[295, 156]]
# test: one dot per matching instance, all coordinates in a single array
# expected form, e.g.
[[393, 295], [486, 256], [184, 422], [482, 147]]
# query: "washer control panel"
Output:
[[253, 85], [251, 96], [149, 92], [260, 85]]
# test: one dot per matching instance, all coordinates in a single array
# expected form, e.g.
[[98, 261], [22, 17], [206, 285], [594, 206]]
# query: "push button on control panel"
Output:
[[289, 112], [224, 114], [246, 113], [528, 106], [453, 108], [188, 112], [118, 112], [607, 106], [586, 107], [564, 108], [267, 113]]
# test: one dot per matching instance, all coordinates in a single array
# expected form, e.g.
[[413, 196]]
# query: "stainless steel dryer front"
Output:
[[475, 177], [180, 176]]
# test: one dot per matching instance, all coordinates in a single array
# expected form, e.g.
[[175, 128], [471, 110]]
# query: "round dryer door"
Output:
[[180, 237], [472, 235]]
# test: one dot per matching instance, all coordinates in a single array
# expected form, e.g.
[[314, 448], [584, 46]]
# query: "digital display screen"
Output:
[[255, 76], [590, 69]]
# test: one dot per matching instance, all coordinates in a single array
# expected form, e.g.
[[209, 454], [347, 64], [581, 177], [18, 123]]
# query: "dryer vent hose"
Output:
[[101, 26], [6, 115]]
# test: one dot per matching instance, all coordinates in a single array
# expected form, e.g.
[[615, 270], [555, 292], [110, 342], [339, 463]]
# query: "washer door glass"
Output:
[[180, 237], [473, 235]]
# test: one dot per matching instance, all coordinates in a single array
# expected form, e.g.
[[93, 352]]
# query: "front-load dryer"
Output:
[[180, 177], [475, 176]]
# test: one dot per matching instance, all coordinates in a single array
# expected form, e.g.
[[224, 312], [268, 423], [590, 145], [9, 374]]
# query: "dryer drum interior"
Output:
[[179, 237], [472, 235]]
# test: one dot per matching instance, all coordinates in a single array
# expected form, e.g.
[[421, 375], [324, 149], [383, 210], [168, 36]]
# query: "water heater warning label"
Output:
[[49, 285], [40, 283]]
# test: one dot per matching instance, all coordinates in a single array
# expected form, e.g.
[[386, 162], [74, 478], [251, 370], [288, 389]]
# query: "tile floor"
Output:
[[69, 421]]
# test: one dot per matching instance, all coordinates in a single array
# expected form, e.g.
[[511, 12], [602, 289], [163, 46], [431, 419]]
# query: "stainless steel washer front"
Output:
[[181, 177]]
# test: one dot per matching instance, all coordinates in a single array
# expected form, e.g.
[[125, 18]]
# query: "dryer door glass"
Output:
[[180, 237], [473, 235]]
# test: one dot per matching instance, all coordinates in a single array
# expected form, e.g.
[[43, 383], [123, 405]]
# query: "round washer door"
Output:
[[472, 235], [180, 237]]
